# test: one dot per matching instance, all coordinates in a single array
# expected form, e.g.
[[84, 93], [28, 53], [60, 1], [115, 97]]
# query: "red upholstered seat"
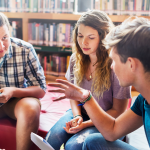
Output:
[[129, 103], [50, 112]]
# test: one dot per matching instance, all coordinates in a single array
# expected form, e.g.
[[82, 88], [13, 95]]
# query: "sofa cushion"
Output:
[[51, 111]]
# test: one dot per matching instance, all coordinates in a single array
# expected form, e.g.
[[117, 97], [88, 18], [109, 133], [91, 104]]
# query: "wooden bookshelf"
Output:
[[52, 16], [45, 16], [54, 49]]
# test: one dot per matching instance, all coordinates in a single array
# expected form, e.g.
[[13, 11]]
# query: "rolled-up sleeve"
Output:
[[69, 74], [34, 71]]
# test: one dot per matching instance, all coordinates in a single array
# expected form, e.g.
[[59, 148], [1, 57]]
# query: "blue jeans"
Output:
[[57, 135], [97, 142]]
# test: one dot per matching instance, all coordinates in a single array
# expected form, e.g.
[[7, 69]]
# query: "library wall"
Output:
[[48, 24]]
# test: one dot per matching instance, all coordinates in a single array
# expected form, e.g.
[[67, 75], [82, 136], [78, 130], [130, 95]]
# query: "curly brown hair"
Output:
[[102, 23]]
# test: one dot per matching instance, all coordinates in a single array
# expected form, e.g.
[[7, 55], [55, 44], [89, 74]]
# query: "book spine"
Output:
[[63, 33], [49, 31], [36, 33], [44, 34], [43, 6], [54, 37], [51, 35], [39, 31]]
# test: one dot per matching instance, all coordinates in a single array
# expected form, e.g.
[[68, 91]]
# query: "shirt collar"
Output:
[[9, 52], [6, 56]]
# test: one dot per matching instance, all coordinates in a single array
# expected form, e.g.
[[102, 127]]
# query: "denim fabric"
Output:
[[57, 135], [97, 142]]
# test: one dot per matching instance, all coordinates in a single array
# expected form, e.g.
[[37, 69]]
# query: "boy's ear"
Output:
[[132, 63]]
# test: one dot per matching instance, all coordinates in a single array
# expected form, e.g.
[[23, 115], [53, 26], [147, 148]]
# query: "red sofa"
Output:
[[50, 112]]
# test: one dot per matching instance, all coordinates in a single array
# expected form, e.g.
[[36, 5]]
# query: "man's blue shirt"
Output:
[[142, 108]]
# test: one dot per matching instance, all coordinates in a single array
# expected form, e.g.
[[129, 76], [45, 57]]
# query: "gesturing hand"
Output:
[[70, 90]]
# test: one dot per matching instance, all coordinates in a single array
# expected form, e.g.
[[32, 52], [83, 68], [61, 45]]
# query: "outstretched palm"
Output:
[[70, 90]]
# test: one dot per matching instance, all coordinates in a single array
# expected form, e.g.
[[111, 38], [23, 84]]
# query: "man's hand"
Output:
[[70, 90], [6, 94]]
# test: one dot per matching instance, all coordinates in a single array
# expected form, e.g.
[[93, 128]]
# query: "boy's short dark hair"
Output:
[[132, 39]]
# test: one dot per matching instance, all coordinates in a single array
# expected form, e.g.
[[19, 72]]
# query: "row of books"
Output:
[[124, 7], [112, 7], [50, 34], [42, 6], [53, 64], [15, 29]]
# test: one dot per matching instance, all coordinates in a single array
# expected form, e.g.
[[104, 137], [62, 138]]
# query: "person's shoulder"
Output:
[[139, 100], [20, 43], [112, 74], [140, 97], [73, 58], [137, 105]]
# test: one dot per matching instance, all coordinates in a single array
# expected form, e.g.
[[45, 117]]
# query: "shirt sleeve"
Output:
[[34, 71], [69, 74], [118, 91], [138, 105]]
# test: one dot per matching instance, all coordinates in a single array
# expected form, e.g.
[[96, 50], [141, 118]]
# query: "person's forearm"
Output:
[[76, 110], [33, 91], [88, 123], [114, 113], [102, 121]]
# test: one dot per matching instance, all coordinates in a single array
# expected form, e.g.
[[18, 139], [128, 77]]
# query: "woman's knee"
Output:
[[97, 142], [61, 135], [57, 131], [92, 141], [88, 140]]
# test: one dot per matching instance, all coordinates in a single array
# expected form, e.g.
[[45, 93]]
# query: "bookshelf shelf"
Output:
[[53, 16], [52, 49], [121, 18]]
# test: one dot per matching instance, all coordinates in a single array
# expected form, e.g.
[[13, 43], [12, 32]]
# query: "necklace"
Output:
[[95, 63], [91, 75], [93, 71]]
